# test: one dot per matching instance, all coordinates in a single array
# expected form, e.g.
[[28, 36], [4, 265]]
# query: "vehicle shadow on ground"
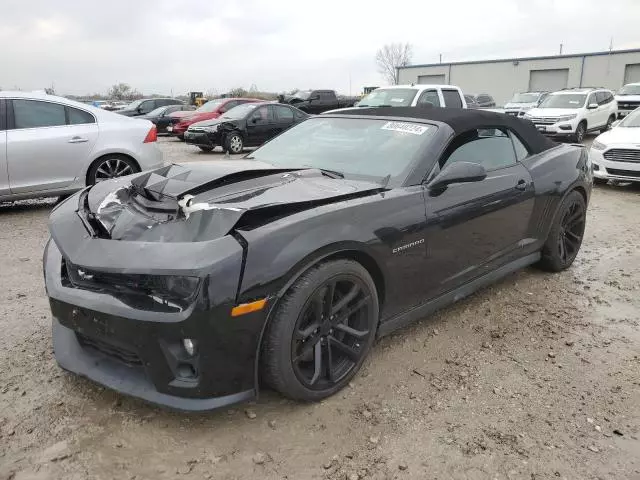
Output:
[[27, 205]]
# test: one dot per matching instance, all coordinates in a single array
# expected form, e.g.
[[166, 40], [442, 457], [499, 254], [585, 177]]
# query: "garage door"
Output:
[[431, 79], [548, 80], [632, 73]]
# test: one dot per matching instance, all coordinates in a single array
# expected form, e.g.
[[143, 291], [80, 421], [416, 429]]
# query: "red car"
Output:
[[209, 111]]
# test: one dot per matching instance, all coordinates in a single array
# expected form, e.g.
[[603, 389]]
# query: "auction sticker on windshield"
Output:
[[405, 127]]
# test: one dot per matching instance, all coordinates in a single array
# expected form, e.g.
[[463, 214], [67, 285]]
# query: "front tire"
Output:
[[322, 331], [233, 143], [565, 237], [580, 132]]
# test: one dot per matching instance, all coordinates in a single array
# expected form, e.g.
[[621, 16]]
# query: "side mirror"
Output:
[[458, 172], [592, 106]]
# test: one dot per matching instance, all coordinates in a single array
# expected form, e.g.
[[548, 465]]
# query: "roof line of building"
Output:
[[521, 59]]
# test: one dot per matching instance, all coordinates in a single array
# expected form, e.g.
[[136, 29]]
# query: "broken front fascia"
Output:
[[123, 217]]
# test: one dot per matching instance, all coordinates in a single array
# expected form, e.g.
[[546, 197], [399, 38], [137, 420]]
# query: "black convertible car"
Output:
[[247, 125], [191, 285], [162, 118]]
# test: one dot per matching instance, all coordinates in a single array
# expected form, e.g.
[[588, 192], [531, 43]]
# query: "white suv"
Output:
[[412, 96], [573, 112]]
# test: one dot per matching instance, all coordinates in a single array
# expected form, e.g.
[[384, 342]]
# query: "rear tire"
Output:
[[610, 120], [565, 238], [321, 332], [111, 166]]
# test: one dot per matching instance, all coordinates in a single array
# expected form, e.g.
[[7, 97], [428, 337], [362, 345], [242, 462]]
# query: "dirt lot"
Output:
[[537, 377]]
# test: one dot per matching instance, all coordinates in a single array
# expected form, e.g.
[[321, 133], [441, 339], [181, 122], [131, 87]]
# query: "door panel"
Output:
[[473, 228], [48, 157], [260, 131]]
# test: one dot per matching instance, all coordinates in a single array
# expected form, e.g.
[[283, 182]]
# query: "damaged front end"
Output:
[[143, 273]]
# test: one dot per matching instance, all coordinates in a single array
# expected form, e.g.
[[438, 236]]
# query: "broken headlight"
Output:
[[170, 288]]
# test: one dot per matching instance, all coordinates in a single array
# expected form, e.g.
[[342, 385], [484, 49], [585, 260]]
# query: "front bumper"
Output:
[[560, 129], [201, 139], [125, 343], [611, 170]]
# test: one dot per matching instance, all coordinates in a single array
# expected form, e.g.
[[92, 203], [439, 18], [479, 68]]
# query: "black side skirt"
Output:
[[410, 316]]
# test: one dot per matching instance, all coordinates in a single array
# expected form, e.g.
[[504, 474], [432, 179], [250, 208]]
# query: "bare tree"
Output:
[[123, 91], [392, 56]]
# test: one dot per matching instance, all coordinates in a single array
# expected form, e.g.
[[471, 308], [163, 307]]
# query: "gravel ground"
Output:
[[536, 377]]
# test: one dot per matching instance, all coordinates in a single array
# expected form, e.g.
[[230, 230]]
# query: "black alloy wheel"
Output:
[[330, 332], [565, 237], [322, 331]]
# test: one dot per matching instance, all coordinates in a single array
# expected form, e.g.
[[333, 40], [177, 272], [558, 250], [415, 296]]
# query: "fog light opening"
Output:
[[187, 371], [189, 346]]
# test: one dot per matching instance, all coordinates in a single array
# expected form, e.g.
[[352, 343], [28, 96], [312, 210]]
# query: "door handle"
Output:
[[521, 185], [78, 140]]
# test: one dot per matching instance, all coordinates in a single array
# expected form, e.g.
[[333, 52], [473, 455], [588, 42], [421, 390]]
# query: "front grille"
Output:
[[543, 120], [628, 105], [122, 354], [623, 173], [623, 155]]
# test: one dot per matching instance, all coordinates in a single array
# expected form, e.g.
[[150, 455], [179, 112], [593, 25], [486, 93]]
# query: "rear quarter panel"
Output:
[[555, 173]]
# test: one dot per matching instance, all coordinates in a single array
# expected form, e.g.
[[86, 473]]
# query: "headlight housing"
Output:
[[566, 118], [210, 129], [596, 145]]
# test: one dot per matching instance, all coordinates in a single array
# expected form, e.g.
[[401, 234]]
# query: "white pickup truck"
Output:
[[411, 96]]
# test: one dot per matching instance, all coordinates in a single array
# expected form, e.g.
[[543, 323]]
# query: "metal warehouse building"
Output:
[[502, 78]]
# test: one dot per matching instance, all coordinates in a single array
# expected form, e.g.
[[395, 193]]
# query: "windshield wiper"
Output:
[[328, 173]]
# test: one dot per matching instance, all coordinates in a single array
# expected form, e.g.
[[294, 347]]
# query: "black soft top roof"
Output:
[[462, 120]]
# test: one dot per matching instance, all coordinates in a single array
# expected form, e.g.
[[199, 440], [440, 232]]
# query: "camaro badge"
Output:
[[408, 245]]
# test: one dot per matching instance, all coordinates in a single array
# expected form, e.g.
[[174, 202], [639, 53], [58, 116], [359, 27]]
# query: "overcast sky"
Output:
[[164, 46]]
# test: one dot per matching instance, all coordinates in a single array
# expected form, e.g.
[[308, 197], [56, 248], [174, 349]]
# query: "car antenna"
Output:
[[385, 181]]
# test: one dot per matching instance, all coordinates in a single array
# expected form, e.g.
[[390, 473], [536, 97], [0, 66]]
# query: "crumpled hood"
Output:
[[203, 200]]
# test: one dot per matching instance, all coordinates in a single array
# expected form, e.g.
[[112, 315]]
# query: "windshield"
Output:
[[525, 98], [565, 100], [157, 112], [395, 97], [630, 90], [368, 149], [210, 106], [240, 111], [302, 95], [134, 105], [631, 120]]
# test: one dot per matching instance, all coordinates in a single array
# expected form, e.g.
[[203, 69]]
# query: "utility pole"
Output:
[[560, 49], [440, 58]]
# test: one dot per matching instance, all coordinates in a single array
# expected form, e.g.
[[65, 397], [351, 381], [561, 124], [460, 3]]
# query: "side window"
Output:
[[521, 150], [609, 97], [33, 114], [326, 96], [601, 98], [147, 106], [79, 117], [429, 97], [284, 114], [261, 115], [3, 115], [299, 114], [452, 99], [490, 147]]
